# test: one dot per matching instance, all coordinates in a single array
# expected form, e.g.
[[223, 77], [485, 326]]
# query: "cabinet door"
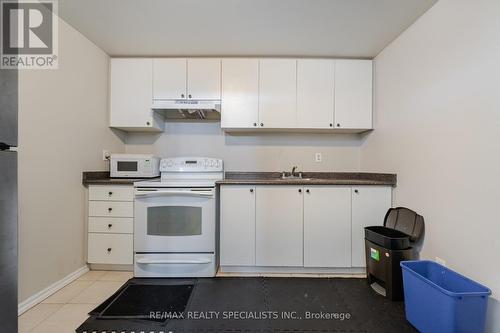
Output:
[[353, 94], [279, 226], [240, 93], [203, 77], [369, 206], [237, 229], [315, 93], [277, 93], [327, 226], [131, 94], [169, 78]]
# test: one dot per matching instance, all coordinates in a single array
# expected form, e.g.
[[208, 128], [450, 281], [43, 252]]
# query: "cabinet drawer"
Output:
[[110, 249], [111, 193], [111, 209], [116, 225]]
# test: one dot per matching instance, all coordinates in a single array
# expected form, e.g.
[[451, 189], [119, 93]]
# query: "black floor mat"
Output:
[[148, 301], [357, 307]]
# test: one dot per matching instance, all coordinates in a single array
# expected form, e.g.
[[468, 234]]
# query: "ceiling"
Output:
[[322, 28]]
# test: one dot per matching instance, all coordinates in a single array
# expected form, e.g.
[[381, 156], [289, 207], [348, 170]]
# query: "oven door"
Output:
[[173, 220]]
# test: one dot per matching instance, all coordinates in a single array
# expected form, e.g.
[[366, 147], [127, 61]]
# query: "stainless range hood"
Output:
[[188, 109]]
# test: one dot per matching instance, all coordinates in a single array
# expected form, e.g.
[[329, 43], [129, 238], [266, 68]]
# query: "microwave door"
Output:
[[176, 222]]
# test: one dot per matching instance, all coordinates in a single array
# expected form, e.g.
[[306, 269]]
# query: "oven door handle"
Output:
[[183, 193], [171, 261]]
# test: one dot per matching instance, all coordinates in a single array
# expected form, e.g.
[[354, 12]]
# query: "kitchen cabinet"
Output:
[[315, 93], [237, 226], [113, 249], [240, 93], [277, 93], [327, 226], [204, 78], [181, 78], [353, 94], [169, 78], [110, 224], [131, 95], [309, 228], [369, 206], [279, 226]]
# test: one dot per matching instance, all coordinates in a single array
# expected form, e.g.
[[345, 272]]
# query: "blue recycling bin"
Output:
[[439, 300]]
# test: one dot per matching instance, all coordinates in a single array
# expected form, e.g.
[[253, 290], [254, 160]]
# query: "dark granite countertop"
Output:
[[103, 178], [310, 178]]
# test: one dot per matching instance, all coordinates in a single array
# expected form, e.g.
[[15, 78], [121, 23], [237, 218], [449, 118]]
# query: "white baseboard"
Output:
[[52, 289]]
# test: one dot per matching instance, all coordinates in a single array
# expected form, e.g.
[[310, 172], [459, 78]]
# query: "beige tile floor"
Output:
[[64, 311]]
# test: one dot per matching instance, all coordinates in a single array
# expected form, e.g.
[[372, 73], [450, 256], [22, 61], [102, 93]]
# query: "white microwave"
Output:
[[134, 166]]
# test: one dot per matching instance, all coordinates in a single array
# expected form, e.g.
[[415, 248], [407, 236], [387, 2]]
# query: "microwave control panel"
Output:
[[191, 164]]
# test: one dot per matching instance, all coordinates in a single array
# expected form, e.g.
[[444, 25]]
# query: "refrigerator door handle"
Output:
[[6, 147]]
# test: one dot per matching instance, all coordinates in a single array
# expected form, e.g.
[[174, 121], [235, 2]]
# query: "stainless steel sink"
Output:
[[295, 178]]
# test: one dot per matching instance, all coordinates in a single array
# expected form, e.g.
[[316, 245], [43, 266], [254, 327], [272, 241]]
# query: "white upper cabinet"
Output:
[[203, 78], [255, 94], [240, 93], [131, 95], [169, 78], [369, 206], [327, 226], [315, 93], [353, 94], [279, 226], [181, 78], [277, 93]]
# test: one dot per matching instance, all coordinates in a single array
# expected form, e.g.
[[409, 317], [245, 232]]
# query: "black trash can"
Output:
[[399, 239]]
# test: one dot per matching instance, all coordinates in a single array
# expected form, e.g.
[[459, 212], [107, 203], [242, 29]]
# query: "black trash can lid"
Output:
[[406, 221]]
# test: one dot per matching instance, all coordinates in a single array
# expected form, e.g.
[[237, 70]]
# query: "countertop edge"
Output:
[[103, 178]]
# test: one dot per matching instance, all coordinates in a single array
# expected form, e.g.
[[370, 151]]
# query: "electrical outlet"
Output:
[[318, 158], [441, 261], [105, 155]]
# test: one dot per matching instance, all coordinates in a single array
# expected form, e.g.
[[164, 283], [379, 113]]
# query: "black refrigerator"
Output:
[[8, 199]]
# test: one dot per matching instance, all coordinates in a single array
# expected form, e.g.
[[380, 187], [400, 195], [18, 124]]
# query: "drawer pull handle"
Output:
[[110, 209], [109, 249], [110, 225], [172, 261], [110, 193]]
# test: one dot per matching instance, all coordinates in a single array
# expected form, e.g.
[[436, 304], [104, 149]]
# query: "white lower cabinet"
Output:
[[327, 226], [369, 206], [110, 249], [110, 225], [237, 226], [279, 226], [273, 226]]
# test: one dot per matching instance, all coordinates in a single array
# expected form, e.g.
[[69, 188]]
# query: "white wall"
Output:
[[62, 130], [252, 152], [437, 120]]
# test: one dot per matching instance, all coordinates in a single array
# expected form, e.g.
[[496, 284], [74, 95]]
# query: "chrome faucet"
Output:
[[292, 174]]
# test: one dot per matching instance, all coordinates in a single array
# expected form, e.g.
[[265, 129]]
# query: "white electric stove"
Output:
[[175, 219]]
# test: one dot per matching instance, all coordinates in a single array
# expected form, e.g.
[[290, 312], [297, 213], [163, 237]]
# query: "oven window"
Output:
[[174, 221], [126, 166]]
